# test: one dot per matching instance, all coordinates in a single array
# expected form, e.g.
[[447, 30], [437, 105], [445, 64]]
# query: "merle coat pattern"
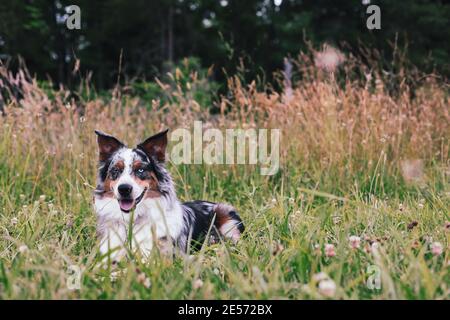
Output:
[[135, 189]]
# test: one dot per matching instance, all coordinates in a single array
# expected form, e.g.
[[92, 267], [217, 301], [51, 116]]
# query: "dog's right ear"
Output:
[[107, 145]]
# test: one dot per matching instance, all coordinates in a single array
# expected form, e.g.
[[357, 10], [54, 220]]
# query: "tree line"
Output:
[[141, 39]]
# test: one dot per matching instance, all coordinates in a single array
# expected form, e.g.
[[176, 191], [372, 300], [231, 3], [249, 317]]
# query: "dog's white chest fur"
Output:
[[153, 219]]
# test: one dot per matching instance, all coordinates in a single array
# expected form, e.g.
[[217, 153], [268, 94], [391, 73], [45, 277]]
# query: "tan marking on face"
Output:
[[136, 164], [109, 185], [153, 191], [119, 165], [222, 214], [143, 183]]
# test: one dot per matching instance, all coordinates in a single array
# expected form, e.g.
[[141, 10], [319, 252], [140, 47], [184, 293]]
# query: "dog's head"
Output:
[[130, 174]]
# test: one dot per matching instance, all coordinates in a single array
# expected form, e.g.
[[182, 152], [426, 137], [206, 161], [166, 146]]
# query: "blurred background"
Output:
[[144, 39]]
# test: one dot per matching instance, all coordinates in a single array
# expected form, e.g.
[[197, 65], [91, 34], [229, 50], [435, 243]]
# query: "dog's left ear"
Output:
[[155, 146], [107, 145]]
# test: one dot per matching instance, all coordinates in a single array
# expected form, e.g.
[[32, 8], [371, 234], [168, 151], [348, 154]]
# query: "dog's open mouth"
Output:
[[126, 205]]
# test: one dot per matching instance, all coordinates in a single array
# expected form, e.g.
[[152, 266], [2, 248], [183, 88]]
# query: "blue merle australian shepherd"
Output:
[[137, 207]]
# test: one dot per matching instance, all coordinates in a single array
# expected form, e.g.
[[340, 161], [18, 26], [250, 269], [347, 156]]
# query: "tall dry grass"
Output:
[[331, 119]]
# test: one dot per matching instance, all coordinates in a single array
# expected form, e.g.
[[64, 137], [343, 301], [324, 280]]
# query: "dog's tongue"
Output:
[[126, 205]]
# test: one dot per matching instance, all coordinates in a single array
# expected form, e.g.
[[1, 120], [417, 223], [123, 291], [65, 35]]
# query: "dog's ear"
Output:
[[155, 146], [107, 145]]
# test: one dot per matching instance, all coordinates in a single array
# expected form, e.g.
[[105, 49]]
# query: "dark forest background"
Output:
[[150, 36]]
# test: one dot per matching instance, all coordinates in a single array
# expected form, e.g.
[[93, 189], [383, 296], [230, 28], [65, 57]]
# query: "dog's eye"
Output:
[[140, 173]]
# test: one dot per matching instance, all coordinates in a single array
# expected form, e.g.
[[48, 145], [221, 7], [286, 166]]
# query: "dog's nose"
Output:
[[125, 190]]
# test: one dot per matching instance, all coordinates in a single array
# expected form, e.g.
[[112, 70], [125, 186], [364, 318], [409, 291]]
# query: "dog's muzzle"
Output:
[[126, 205]]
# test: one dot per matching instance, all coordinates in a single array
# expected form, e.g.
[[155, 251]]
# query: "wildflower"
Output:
[[320, 276], [412, 225], [14, 221], [327, 288], [198, 283], [23, 248], [436, 248], [421, 203], [328, 59], [355, 242], [144, 280], [329, 250]]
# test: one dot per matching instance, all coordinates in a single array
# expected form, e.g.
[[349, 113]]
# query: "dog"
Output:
[[136, 203]]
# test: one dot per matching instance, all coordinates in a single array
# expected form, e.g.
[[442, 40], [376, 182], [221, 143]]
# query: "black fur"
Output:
[[201, 218]]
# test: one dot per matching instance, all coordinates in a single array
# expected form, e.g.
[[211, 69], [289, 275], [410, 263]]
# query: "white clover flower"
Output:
[[320, 276], [198, 283], [329, 250], [327, 288], [437, 248], [355, 242]]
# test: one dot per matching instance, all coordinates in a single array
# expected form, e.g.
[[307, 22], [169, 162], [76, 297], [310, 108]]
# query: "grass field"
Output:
[[356, 160]]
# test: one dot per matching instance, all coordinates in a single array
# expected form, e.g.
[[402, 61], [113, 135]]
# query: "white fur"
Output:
[[154, 218], [229, 230]]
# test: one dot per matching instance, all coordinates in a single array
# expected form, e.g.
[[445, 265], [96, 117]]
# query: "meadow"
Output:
[[358, 210]]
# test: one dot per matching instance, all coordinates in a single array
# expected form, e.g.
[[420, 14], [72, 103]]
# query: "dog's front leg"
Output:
[[113, 237], [142, 240]]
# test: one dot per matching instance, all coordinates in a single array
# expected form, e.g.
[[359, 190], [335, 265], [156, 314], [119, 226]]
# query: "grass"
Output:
[[343, 151]]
